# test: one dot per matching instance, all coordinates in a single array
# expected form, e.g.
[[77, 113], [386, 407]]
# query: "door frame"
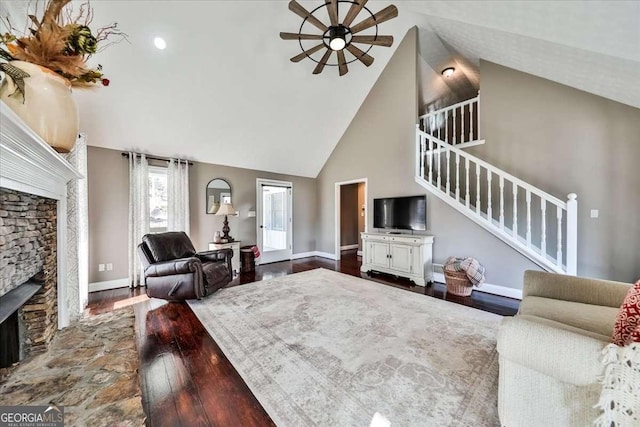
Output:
[[259, 183], [337, 210]]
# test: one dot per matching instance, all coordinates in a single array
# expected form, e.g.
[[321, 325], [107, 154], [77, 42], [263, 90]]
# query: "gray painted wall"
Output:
[[243, 187], [563, 140], [108, 187], [558, 138], [349, 214], [108, 180], [378, 144]]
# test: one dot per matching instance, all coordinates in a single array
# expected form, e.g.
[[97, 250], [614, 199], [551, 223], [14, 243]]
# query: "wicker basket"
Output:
[[458, 283]]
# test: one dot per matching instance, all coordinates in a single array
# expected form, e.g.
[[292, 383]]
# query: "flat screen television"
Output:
[[400, 213]]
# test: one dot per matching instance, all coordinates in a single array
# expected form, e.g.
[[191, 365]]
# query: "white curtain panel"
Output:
[[78, 231], [138, 213], [178, 196]]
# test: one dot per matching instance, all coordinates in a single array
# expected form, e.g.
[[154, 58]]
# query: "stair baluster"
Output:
[[565, 257]]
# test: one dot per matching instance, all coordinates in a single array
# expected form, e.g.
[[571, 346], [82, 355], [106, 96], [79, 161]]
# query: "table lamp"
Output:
[[226, 209]]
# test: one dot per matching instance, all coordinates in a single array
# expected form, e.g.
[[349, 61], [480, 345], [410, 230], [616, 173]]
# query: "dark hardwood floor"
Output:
[[186, 380]]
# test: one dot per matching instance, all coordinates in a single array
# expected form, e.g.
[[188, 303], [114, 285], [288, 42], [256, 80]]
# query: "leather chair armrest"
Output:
[[144, 256], [169, 268], [215, 255]]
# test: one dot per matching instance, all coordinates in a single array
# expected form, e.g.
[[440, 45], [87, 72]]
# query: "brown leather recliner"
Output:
[[174, 271]]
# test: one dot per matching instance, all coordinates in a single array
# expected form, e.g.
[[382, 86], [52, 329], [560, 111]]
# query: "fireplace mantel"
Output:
[[30, 165]]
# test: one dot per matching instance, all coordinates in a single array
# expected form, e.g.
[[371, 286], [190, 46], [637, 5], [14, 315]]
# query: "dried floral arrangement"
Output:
[[60, 41]]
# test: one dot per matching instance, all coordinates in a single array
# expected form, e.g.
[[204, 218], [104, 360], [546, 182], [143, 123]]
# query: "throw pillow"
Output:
[[628, 317]]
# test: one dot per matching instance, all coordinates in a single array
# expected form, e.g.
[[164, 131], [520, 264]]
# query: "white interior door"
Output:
[[274, 220]]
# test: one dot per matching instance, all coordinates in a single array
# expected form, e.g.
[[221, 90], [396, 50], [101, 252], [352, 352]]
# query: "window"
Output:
[[157, 199], [274, 208], [277, 211]]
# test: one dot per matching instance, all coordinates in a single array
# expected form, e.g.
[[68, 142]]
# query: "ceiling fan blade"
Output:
[[363, 57], [296, 8], [384, 15], [342, 64], [306, 53], [354, 10], [376, 40], [323, 62], [332, 8], [296, 36]]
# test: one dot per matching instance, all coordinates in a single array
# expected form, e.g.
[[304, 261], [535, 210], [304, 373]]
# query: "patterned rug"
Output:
[[325, 348]]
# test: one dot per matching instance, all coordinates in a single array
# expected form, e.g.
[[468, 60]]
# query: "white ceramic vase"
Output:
[[47, 107]]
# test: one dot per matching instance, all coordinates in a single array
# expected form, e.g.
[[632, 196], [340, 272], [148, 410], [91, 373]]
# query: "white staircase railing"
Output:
[[456, 124], [537, 224]]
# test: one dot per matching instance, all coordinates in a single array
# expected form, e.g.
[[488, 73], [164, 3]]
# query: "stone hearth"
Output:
[[28, 234]]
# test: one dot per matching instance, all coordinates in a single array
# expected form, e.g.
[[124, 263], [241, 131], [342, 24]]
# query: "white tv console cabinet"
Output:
[[403, 255]]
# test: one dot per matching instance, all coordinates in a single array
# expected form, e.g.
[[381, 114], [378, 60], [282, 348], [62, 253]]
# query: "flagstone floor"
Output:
[[91, 368]]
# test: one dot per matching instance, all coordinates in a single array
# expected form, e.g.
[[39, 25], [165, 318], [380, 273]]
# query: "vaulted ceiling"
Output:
[[225, 92]]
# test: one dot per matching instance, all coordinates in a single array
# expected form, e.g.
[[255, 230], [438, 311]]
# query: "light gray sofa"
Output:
[[550, 351]]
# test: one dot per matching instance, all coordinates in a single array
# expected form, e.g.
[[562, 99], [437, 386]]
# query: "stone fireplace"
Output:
[[33, 235], [28, 235]]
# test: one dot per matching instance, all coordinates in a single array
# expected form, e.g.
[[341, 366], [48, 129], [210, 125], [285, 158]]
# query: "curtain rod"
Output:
[[154, 158]]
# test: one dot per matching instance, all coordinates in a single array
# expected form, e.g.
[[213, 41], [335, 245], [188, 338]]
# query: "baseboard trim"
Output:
[[303, 255], [326, 255], [347, 247], [314, 253], [488, 288], [108, 284]]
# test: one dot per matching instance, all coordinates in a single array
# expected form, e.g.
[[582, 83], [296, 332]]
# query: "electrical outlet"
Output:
[[109, 267], [100, 267], [595, 213]]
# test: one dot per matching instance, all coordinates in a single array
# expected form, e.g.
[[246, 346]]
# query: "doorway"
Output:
[[350, 215], [274, 215]]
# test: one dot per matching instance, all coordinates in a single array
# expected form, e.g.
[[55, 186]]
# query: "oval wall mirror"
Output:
[[218, 192]]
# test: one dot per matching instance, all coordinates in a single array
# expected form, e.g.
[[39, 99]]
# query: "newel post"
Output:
[[478, 119], [572, 234], [419, 171]]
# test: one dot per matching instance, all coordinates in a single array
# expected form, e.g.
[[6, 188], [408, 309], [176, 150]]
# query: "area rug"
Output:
[[328, 349], [91, 368]]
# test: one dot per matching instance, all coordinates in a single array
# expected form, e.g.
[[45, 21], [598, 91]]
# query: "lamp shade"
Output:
[[226, 209]]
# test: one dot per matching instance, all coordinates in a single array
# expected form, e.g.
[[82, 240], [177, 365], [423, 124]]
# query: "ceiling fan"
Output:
[[340, 36]]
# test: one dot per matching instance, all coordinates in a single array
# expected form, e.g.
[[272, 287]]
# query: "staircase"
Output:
[[533, 222]]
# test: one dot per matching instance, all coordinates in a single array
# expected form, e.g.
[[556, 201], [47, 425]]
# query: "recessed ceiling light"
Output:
[[448, 72], [160, 43]]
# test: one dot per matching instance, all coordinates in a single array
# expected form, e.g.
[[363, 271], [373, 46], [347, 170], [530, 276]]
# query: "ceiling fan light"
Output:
[[448, 72], [160, 43], [337, 43]]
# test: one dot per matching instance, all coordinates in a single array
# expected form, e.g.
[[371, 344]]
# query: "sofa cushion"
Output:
[[554, 351], [593, 318], [628, 317], [552, 323]]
